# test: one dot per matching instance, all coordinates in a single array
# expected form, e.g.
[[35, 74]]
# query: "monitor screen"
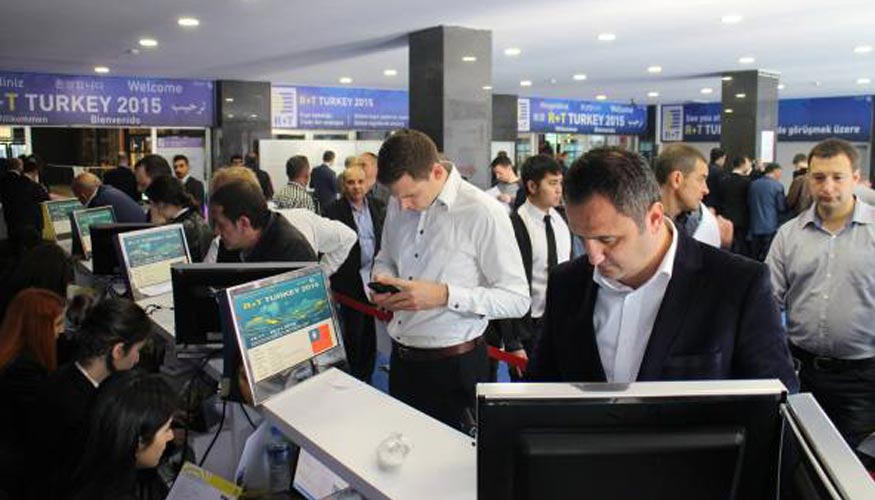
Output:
[[104, 257], [147, 256], [82, 220], [196, 290], [280, 323], [56, 217], [659, 440]]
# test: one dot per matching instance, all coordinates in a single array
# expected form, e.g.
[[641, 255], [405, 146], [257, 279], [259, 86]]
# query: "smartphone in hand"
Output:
[[383, 288]]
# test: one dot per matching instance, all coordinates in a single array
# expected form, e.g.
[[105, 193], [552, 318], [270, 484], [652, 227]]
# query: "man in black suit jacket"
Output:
[[123, 179], [89, 190], [192, 186], [324, 181], [649, 303], [359, 332]]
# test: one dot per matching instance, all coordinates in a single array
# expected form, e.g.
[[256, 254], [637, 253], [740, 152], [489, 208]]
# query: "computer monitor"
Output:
[[147, 256], [654, 440], [104, 255], [196, 291], [56, 218], [81, 222], [279, 324]]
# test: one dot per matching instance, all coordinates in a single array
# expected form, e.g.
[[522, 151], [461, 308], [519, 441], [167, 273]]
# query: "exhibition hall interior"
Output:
[[257, 249]]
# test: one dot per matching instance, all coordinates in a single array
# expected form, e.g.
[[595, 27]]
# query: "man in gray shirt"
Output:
[[823, 277]]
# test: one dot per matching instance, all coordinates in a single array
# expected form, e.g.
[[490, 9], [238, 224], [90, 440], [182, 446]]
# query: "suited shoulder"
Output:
[[573, 271]]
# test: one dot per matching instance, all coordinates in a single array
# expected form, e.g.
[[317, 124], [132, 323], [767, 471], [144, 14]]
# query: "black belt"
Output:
[[419, 354], [827, 364]]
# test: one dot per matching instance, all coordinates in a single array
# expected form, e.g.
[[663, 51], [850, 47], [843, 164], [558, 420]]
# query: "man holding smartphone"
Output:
[[450, 251]]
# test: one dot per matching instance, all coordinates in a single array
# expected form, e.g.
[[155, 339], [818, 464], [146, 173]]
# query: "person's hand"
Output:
[[521, 354], [415, 295], [726, 231]]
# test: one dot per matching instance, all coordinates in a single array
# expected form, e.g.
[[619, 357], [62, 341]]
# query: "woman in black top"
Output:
[[171, 203]]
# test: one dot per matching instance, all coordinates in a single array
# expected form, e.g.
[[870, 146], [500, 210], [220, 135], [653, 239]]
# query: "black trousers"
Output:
[[360, 342], [444, 389], [760, 244], [740, 245]]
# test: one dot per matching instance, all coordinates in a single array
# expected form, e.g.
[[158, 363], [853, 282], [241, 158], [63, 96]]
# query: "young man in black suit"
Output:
[[323, 180], [193, 186], [365, 216], [649, 303]]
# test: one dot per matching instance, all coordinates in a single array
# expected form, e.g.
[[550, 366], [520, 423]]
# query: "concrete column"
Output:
[[750, 107]]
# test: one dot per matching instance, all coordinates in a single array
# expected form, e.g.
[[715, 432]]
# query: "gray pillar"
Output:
[[750, 106], [243, 117], [447, 99]]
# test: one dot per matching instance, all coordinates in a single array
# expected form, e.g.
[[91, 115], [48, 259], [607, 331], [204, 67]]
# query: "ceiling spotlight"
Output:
[[512, 51], [727, 78], [707, 90], [148, 42], [526, 83], [229, 99], [469, 59], [553, 81], [816, 83], [653, 94], [579, 77], [253, 116], [390, 72], [862, 49], [863, 81], [487, 87], [607, 37], [654, 69], [345, 80], [740, 96], [101, 69], [601, 97], [746, 60], [731, 19], [188, 22], [728, 111], [781, 86]]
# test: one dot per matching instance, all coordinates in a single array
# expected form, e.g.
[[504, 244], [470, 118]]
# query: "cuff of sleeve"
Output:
[[458, 298]]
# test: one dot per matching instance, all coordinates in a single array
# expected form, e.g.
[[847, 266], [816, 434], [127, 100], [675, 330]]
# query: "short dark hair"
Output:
[[180, 157], [621, 176], [771, 167], [154, 165], [242, 198], [500, 160], [535, 168], [236, 157], [833, 147], [740, 160], [31, 164], [676, 157], [717, 153], [406, 152], [167, 189], [328, 156], [296, 166], [799, 157], [108, 322]]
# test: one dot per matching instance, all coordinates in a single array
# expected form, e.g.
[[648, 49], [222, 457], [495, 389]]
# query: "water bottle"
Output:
[[279, 460]]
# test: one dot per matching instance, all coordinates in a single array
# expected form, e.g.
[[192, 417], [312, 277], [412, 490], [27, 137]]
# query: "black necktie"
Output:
[[552, 260]]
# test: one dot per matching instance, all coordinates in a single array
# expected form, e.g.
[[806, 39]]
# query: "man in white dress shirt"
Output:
[[449, 249]]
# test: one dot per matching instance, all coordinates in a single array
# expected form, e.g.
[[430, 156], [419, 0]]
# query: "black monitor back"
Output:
[[104, 251]]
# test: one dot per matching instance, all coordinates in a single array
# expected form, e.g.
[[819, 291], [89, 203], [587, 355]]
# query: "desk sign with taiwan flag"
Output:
[[281, 322]]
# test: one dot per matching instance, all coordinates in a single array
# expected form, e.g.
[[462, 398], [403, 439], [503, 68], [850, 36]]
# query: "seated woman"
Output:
[[28, 353], [129, 428], [170, 202]]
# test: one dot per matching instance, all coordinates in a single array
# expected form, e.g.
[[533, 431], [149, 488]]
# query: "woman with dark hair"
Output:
[[170, 202], [45, 266], [129, 428], [28, 334]]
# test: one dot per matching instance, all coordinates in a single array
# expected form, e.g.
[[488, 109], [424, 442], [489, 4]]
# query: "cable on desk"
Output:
[[246, 414], [218, 431]]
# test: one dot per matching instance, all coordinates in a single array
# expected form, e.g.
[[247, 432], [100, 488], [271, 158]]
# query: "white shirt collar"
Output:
[[96, 190], [87, 376], [450, 191], [536, 213], [666, 266], [185, 179]]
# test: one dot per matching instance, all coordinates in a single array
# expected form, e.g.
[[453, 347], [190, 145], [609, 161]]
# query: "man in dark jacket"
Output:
[[193, 186], [21, 195], [123, 179], [88, 190], [733, 203], [323, 180]]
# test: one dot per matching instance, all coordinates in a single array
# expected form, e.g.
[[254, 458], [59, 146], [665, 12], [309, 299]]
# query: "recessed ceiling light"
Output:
[[727, 78], [654, 69], [781, 86], [728, 111], [229, 99], [862, 49], [526, 83], [133, 52], [740, 96], [653, 94], [553, 81], [816, 83], [390, 72], [253, 116], [601, 97], [101, 69], [469, 59], [746, 60], [512, 51], [579, 77], [345, 80], [230, 115], [707, 90], [148, 42], [863, 81], [731, 19], [487, 87], [607, 37], [188, 22]]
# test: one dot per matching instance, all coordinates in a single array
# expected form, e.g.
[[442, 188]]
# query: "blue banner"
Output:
[[48, 99], [338, 108], [580, 117]]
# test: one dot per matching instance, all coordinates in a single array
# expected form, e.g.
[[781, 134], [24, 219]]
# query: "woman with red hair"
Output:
[[28, 352]]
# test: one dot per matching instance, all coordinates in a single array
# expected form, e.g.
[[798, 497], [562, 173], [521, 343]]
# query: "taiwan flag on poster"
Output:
[[320, 339]]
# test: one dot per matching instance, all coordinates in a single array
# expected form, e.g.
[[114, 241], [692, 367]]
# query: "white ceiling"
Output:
[[315, 43]]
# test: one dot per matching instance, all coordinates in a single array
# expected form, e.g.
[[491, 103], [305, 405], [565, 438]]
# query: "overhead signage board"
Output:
[[99, 101], [581, 117], [332, 108]]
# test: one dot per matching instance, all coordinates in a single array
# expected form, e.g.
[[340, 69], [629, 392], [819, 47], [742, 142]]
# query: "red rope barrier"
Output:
[[508, 358]]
